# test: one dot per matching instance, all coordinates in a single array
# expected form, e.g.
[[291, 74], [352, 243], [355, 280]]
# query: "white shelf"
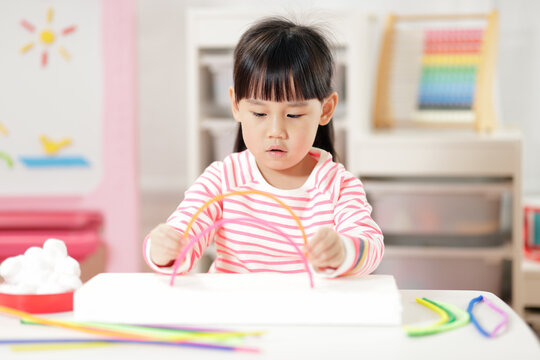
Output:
[[531, 268], [454, 187], [530, 271], [490, 254], [436, 153]]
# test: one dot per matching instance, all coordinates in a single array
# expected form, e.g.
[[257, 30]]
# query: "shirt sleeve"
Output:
[[362, 237], [206, 187]]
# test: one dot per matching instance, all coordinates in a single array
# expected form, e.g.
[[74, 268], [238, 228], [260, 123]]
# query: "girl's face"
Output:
[[280, 134]]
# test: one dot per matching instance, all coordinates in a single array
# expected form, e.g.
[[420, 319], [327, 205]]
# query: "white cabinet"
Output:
[[450, 162], [211, 37]]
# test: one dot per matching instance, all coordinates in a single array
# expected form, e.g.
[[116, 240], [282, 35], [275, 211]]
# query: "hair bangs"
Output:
[[287, 72]]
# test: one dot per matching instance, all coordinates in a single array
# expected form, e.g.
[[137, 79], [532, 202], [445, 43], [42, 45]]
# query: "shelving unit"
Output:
[[438, 157]]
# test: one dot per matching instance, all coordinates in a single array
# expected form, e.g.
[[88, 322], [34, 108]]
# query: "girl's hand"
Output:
[[325, 249], [166, 244]]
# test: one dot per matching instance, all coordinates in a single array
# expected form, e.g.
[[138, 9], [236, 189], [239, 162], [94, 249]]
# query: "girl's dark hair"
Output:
[[278, 60]]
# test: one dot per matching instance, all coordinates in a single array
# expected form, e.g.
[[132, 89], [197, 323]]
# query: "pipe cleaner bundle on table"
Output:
[[258, 298], [452, 317], [437, 70]]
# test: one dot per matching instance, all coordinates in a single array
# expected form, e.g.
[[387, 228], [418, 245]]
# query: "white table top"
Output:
[[517, 341]]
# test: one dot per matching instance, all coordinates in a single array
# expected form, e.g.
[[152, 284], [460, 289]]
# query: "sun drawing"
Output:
[[47, 37]]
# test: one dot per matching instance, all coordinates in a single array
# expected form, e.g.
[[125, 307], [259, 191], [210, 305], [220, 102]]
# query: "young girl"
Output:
[[283, 101]]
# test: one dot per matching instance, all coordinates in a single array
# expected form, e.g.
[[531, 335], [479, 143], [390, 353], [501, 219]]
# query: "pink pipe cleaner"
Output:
[[219, 223], [500, 311]]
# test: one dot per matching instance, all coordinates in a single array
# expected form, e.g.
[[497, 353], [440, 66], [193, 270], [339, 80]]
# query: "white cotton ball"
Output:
[[7, 288], [14, 289], [27, 288], [52, 278], [47, 261], [69, 282], [49, 288], [55, 248], [46, 270], [36, 264], [17, 289], [31, 279], [37, 258], [33, 251], [68, 266], [58, 283], [33, 273], [10, 268]]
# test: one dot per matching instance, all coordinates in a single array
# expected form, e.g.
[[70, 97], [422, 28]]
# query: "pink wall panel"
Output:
[[116, 197]]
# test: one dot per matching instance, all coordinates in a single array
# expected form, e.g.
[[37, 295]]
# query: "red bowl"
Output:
[[38, 304]]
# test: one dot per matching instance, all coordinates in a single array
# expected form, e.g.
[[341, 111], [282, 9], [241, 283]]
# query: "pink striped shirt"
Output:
[[331, 196]]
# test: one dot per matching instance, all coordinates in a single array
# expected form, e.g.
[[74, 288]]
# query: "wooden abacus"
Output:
[[437, 70]]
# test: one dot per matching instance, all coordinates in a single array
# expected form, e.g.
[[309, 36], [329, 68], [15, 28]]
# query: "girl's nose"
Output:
[[277, 127]]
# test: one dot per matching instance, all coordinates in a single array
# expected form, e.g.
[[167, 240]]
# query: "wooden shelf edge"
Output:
[[530, 267]]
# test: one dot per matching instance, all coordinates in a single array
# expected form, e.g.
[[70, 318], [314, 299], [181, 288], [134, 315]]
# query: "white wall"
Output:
[[162, 92], [519, 80]]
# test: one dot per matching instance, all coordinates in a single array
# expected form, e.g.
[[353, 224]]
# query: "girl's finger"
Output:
[[335, 260], [171, 233], [322, 245], [329, 254]]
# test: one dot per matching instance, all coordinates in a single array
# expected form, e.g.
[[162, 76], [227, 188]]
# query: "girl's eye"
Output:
[[294, 116], [256, 114]]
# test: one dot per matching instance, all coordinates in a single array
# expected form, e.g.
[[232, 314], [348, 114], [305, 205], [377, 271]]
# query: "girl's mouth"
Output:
[[276, 152], [276, 148]]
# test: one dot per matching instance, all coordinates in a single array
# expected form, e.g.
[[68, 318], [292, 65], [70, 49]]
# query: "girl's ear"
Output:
[[328, 107], [234, 105]]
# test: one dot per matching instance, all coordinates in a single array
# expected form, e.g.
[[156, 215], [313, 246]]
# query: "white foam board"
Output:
[[264, 298]]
